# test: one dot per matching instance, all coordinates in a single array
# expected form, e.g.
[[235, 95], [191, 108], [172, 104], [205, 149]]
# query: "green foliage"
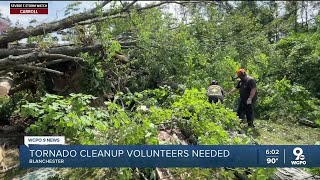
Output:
[[315, 171], [263, 173], [298, 60], [192, 110], [9, 106], [114, 47], [95, 73], [5, 107], [81, 123], [285, 101], [43, 41], [72, 117], [227, 68], [206, 121], [77, 120], [257, 66]]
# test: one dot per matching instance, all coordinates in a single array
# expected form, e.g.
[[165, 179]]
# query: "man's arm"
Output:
[[252, 85], [252, 93], [233, 90]]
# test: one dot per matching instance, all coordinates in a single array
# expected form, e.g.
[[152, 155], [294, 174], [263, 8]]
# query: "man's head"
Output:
[[214, 82], [241, 73]]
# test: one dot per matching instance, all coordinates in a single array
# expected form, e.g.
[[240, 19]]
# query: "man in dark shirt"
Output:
[[248, 95]]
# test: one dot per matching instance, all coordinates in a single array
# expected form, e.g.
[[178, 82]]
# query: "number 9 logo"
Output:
[[298, 153]]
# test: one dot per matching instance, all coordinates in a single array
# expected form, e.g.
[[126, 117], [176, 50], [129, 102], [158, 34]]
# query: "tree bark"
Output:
[[13, 61], [70, 50], [6, 84], [23, 86]]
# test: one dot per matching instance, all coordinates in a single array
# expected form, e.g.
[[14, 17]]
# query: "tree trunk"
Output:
[[306, 13], [293, 174], [6, 84], [295, 14]]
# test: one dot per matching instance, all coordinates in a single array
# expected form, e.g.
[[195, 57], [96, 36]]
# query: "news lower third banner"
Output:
[[206, 156]]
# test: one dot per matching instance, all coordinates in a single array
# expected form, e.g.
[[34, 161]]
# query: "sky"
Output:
[[56, 11]]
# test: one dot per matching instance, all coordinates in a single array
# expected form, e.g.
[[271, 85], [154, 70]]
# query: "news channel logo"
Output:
[[299, 157]]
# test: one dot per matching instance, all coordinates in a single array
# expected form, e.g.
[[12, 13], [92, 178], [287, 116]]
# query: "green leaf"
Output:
[[70, 123]]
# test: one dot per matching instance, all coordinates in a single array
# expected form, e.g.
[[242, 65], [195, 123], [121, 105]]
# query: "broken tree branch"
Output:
[[99, 19], [23, 86], [59, 56], [95, 20], [13, 61], [53, 62], [67, 50], [27, 67]]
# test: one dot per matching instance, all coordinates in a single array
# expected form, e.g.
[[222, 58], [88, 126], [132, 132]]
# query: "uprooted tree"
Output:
[[62, 65]]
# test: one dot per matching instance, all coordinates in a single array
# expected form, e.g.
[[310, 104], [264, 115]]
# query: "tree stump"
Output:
[[5, 86]]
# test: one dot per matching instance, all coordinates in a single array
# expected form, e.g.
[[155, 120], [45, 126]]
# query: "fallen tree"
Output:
[[31, 57], [294, 174], [68, 22], [69, 49], [37, 58]]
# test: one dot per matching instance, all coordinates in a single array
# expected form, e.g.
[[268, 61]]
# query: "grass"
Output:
[[284, 133]]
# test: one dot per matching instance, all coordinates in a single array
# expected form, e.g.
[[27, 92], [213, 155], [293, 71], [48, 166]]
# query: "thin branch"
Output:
[[95, 20], [182, 3], [59, 56], [27, 67], [104, 3], [53, 62], [13, 61], [126, 8]]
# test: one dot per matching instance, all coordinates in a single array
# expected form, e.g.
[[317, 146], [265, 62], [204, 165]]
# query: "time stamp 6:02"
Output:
[[272, 155]]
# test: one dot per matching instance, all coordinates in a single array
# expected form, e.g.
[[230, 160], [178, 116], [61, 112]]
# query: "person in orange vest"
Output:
[[215, 92], [248, 95]]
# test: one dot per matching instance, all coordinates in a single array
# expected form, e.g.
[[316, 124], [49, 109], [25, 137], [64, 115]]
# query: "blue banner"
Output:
[[142, 156]]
